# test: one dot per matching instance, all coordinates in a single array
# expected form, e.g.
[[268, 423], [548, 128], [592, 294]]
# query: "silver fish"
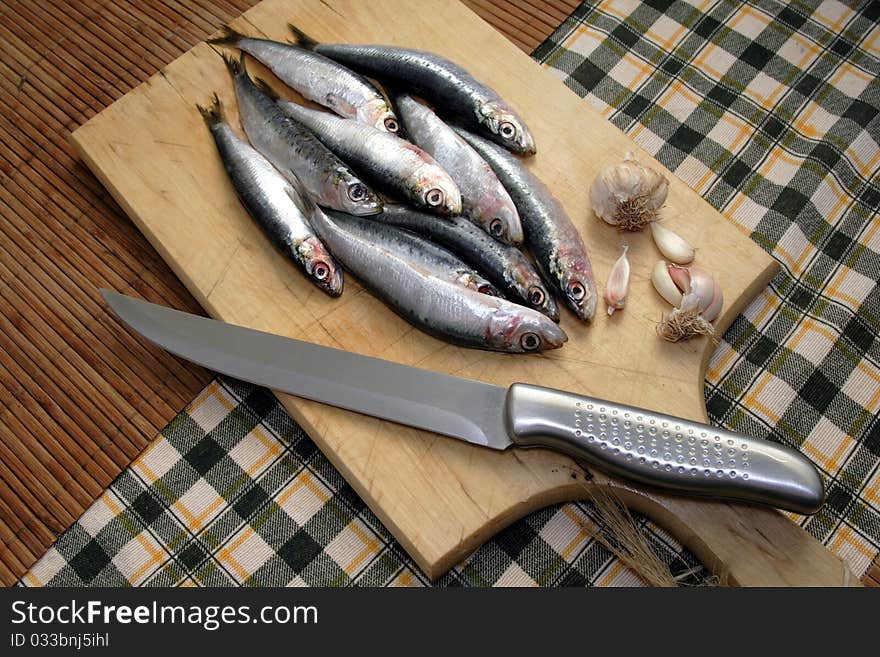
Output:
[[483, 198], [401, 168], [273, 202], [295, 150], [436, 79], [549, 233], [506, 266], [318, 79], [418, 250], [439, 307]]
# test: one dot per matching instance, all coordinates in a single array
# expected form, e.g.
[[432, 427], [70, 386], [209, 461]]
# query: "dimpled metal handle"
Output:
[[662, 450]]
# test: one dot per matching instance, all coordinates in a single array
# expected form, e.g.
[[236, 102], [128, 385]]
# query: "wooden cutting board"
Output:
[[442, 498]]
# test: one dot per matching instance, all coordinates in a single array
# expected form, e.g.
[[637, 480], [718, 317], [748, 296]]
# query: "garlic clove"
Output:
[[702, 286], [711, 313], [681, 277], [673, 247], [617, 288], [664, 284], [628, 195], [694, 280], [690, 302]]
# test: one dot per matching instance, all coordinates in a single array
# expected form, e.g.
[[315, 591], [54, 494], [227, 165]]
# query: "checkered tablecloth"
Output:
[[768, 110]]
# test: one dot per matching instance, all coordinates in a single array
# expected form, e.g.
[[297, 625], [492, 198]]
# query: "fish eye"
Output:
[[536, 295], [321, 271], [487, 290], [496, 227], [357, 192], [434, 197], [577, 291], [507, 130], [530, 341], [391, 124]]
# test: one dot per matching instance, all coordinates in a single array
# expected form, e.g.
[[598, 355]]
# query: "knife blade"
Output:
[[642, 445]]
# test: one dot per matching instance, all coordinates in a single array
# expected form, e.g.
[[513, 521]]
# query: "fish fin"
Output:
[[302, 39], [263, 86], [213, 114], [339, 104], [235, 66], [230, 37], [301, 197]]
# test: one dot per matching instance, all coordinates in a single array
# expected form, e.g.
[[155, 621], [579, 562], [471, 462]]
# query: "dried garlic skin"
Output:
[[628, 195]]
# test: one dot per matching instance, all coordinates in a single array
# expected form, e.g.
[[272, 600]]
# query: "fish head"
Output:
[[579, 288], [497, 214], [520, 329], [355, 197], [540, 299], [506, 128], [320, 266], [436, 191], [378, 113]]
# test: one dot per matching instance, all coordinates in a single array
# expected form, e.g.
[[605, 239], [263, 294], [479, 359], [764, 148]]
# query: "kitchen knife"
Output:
[[638, 444]]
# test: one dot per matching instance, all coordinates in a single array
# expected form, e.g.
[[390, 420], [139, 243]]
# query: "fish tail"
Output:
[[302, 39], [235, 66], [230, 37], [263, 86], [213, 114]]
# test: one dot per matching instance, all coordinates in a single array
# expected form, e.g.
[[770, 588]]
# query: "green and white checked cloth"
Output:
[[767, 109]]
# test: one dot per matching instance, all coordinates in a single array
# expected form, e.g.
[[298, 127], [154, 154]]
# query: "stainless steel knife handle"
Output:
[[663, 450]]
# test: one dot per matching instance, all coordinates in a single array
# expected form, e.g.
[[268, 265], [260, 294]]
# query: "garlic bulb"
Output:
[[617, 288], [699, 303], [696, 281], [673, 247], [628, 195]]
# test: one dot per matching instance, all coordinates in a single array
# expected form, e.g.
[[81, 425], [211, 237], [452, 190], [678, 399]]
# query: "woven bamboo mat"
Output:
[[79, 397]]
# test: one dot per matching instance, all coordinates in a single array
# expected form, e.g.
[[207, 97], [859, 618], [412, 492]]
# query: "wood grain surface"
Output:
[[80, 399], [441, 498]]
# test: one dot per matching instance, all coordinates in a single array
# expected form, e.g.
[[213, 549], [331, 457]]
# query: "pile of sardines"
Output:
[[426, 206]]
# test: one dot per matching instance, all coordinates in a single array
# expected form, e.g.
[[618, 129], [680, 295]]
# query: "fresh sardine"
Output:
[[418, 250], [273, 202], [450, 88], [483, 198], [295, 151], [439, 307], [318, 79], [506, 266], [397, 166], [549, 233]]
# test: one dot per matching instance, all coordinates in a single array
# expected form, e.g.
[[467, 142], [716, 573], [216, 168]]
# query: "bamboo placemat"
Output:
[[81, 398]]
